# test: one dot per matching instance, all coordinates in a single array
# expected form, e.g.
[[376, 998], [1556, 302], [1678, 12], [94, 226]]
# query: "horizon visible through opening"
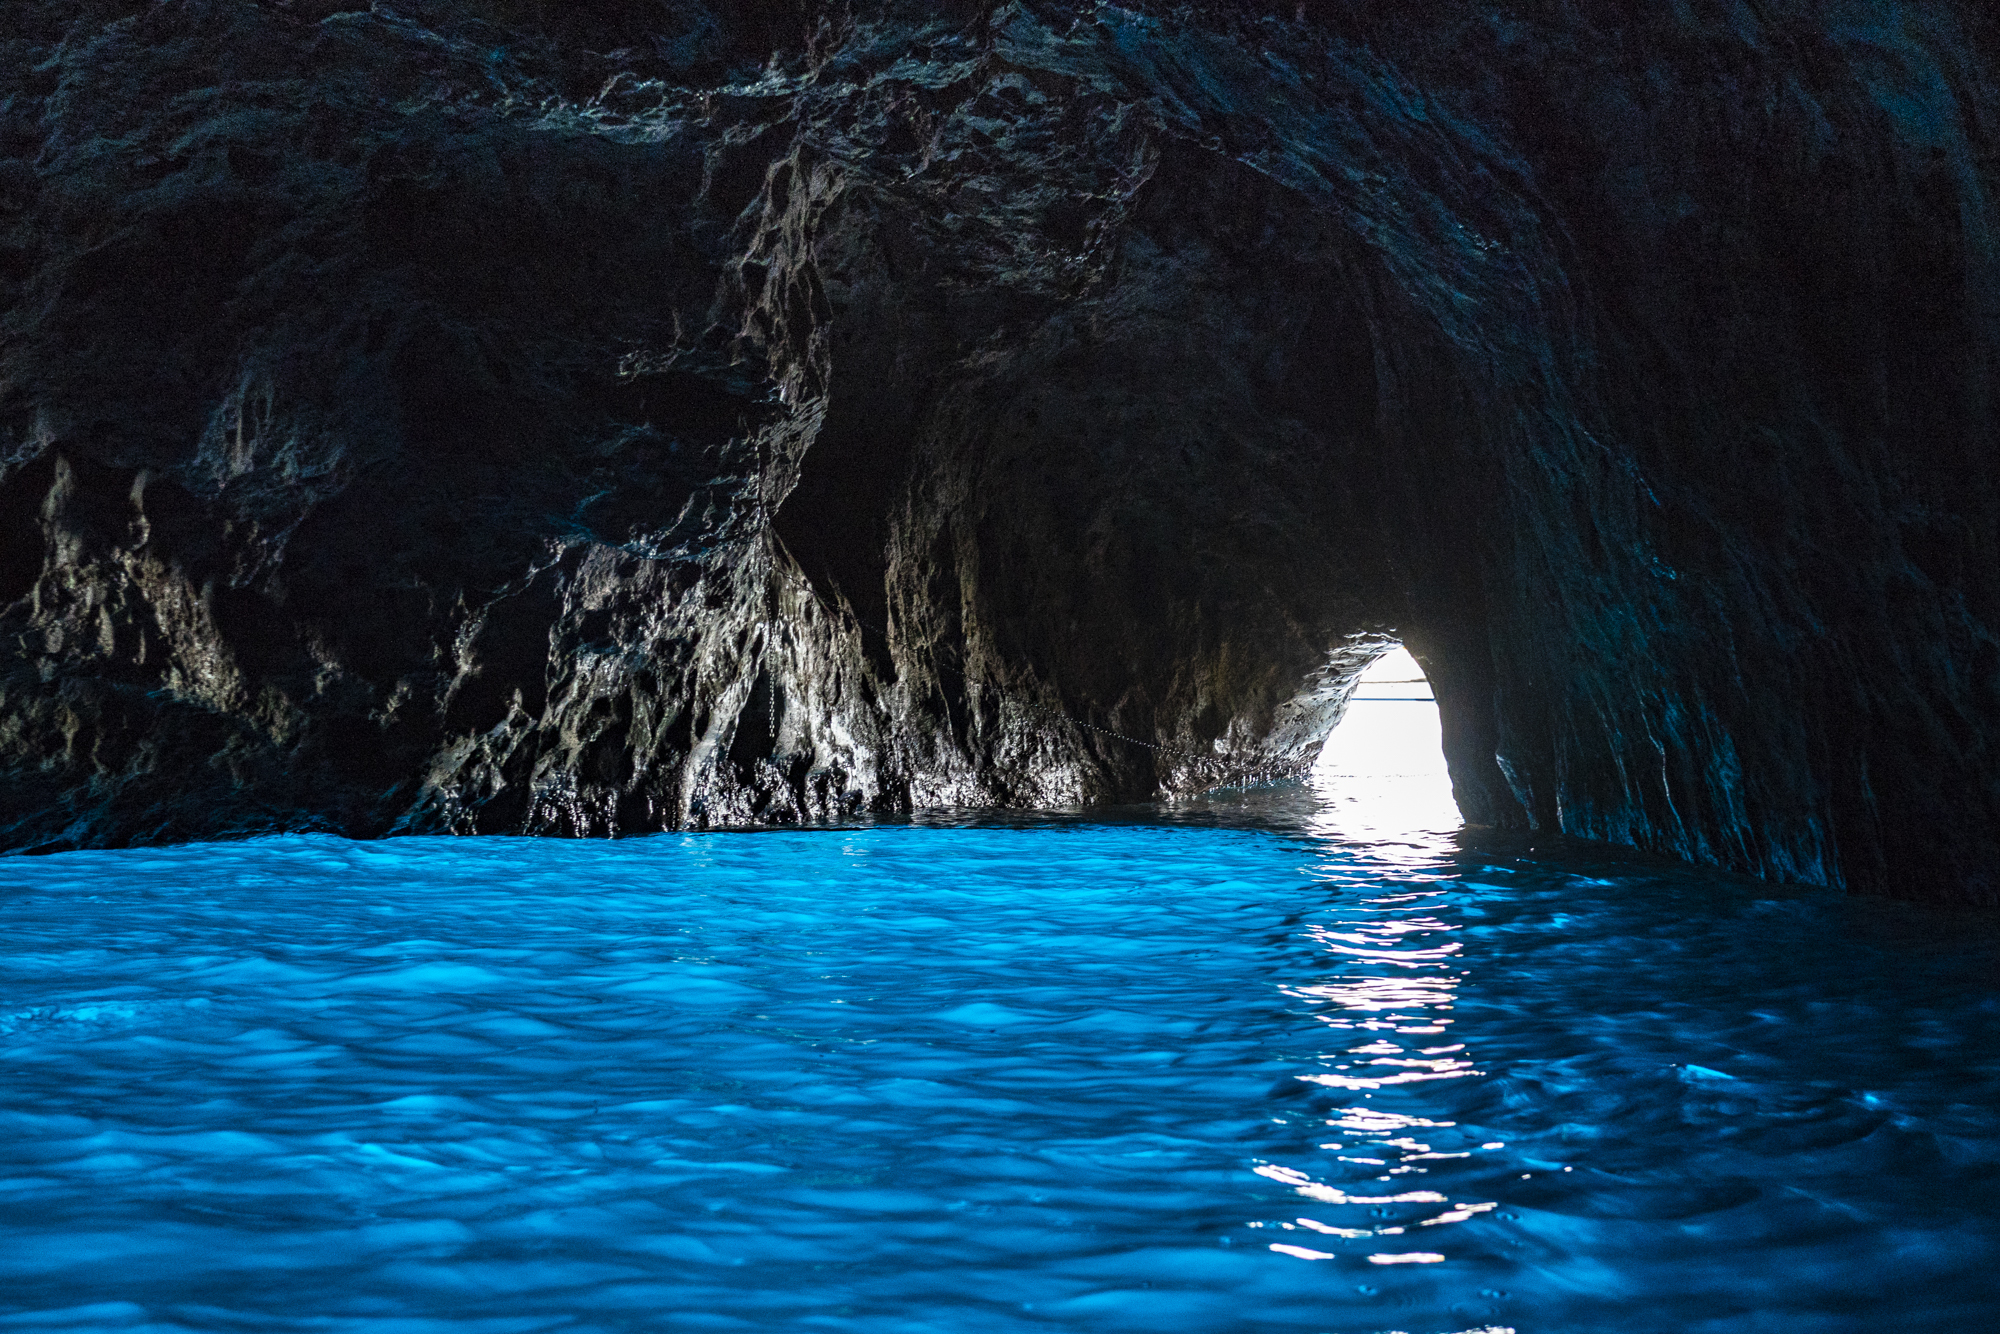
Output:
[[1382, 771]]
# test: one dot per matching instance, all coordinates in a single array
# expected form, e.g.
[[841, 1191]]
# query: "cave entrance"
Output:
[[1382, 771]]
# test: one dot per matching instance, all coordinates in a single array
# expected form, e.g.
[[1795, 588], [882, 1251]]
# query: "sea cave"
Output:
[[959, 487]]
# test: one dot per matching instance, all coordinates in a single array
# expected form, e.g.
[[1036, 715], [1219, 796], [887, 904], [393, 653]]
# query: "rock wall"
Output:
[[594, 419]]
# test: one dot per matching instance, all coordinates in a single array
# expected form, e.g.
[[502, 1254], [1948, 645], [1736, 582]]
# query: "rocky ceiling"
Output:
[[594, 419]]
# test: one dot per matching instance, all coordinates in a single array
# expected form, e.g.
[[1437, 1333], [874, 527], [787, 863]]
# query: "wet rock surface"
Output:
[[458, 417]]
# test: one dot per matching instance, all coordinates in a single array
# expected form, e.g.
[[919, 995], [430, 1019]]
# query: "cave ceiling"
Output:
[[487, 417]]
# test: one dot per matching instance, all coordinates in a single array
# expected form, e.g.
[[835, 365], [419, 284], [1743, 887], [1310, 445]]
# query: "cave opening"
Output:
[[1382, 770]]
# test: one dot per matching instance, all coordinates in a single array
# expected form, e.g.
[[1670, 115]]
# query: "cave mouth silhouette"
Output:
[[1382, 771]]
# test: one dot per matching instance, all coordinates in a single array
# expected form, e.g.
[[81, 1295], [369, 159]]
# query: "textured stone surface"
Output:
[[561, 419]]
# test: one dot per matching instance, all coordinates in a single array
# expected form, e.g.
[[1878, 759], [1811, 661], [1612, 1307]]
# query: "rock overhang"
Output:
[[496, 429]]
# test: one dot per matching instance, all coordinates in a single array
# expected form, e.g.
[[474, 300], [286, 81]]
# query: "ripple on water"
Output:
[[1140, 1076]]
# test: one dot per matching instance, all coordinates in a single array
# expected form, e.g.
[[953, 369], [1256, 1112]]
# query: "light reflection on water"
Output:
[[1221, 1068], [1382, 793]]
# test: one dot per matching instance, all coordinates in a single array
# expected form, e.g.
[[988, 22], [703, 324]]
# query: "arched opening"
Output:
[[1382, 771]]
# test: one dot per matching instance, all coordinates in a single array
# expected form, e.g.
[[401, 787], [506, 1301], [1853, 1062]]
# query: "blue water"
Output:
[[1213, 1073]]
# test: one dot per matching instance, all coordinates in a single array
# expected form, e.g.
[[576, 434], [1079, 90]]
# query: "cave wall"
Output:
[[493, 417]]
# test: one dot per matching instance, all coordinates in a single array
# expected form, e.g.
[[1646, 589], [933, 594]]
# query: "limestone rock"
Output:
[[595, 419]]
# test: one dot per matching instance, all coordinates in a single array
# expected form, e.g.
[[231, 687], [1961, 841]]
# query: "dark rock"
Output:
[[594, 419]]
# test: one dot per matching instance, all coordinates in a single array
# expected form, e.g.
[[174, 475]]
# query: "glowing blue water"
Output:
[[1099, 1077]]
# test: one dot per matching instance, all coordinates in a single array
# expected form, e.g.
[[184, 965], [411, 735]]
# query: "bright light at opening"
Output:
[[1383, 767]]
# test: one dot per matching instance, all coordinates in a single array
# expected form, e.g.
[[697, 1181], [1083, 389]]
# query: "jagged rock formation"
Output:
[[584, 419]]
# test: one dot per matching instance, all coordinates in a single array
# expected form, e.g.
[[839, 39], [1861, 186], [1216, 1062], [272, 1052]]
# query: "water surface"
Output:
[[1261, 1068]]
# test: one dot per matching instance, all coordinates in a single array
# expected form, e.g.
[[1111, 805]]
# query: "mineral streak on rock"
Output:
[[595, 419]]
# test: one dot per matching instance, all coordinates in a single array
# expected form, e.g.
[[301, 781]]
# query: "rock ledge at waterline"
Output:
[[447, 417]]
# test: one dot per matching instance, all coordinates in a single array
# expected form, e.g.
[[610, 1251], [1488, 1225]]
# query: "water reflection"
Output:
[[1098, 1076], [1393, 970], [1389, 994]]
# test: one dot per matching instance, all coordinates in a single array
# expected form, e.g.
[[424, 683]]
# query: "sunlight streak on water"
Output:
[[1108, 1077]]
